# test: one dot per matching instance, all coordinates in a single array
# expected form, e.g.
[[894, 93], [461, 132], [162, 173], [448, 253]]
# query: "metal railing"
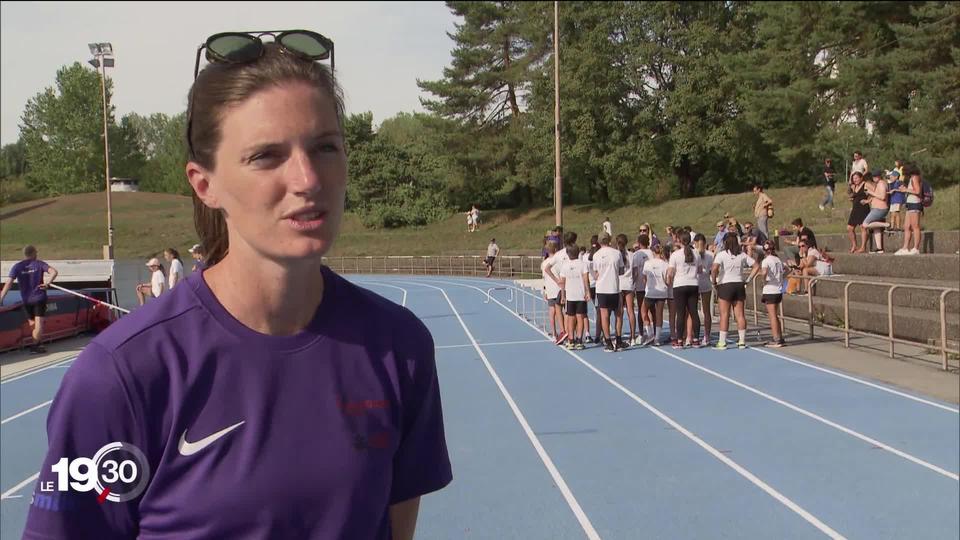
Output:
[[528, 266]]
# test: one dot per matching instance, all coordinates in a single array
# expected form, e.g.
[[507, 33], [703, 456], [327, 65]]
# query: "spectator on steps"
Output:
[[911, 226], [753, 239], [877, 190], [859, 165], [860, 207], [897, 199], [792, 250], [763, 209]]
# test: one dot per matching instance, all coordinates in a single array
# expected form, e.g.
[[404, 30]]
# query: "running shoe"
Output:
[[608, 346], [588, 339], [675, 343], [695, 344], [619, 345], [579, 346], [650, 340], [720, 346], [776, 344], [914, 251], [741, 344], [570, 345], [560, 337]]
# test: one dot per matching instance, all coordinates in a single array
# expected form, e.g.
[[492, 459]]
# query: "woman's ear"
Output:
[[199, 178]]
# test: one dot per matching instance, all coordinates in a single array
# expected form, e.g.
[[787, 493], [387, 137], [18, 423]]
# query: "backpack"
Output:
[[927, 194]]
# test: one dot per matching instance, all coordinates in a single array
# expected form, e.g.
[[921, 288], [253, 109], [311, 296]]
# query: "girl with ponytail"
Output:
[[683, 275], [627, 295]]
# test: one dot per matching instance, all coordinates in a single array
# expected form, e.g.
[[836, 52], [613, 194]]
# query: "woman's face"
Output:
[[281, 173], [168, 256]]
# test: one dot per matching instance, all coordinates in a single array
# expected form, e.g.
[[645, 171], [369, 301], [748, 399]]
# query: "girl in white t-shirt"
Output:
[[684, 276], [157, 282], [640, 256], [627, 294], [771, 268], [727, 276], [551, 292], [607, 267], [576, 287], [655, 293], [594, 248], [591, 285], [176, 267], [705, 288]]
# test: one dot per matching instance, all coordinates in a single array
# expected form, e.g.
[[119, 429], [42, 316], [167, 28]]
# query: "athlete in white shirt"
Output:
[[176, 267], [684, 275], [727, 275], [640, 256], [594, 247], [771, 268], [705, 288], [551, 292], [655, 293], [576, 286], [607, 267], [627, 295]]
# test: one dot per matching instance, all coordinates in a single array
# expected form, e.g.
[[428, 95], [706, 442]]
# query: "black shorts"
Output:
[[593, 294], [576, 307], [608, 301], [732, 292], [771, 298], [652, 302], [640, 295], [553, 301], [623, 294], [489, 261], [36, 310]]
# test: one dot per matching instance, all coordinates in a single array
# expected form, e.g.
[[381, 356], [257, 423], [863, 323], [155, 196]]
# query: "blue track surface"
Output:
[[645, 443]]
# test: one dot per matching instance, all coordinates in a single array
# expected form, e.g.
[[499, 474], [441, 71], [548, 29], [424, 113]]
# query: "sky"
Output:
[[382, 48]]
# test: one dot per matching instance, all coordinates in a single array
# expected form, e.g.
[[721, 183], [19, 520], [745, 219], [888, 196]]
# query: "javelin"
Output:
[[918, 152], [90, 298]]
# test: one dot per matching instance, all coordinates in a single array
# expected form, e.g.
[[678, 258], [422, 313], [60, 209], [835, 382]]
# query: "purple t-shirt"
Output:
[[338, 422], [29, 276]]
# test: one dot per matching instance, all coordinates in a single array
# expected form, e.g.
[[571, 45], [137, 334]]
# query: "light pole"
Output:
[[557, 180], [103, 58]]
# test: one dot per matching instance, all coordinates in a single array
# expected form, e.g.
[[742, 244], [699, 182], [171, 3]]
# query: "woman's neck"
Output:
[[266, 296]]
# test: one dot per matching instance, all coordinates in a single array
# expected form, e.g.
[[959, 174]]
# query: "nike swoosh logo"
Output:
[[190, 448]]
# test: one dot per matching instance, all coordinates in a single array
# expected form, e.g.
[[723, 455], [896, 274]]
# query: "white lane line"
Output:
[[403, 302], [541, 341], [860, 381], [814, 416], [28, 411], [7, 494], [547, 462], [769, 490], [22, 375], [825, 370]]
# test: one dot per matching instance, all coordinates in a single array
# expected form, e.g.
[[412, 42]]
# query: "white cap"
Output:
[[194, 249], [153, 262]]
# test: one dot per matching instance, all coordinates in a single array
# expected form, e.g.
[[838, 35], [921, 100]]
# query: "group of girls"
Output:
[[633, 286]]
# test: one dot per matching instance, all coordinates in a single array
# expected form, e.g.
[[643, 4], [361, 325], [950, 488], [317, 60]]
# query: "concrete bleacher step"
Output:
[[920, 325], [938, 242], [927, 267], [877, 294]]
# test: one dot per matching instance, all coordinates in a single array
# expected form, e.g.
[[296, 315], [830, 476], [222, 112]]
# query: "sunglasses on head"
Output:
[[246, 47]]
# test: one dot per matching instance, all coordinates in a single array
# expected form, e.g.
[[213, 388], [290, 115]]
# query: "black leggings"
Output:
[[685, 299]]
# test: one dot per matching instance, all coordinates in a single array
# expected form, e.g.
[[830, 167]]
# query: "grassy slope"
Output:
[[75, 226]]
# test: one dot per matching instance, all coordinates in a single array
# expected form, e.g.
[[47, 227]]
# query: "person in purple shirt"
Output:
[[252, 402], [33, 291]]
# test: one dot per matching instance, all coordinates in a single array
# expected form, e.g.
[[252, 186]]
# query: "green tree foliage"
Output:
[[159, 138], [62, 130], [13, 160]]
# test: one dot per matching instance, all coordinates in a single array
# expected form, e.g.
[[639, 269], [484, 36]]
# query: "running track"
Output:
[[645, 443]]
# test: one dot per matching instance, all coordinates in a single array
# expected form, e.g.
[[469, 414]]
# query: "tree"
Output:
[[13, 160], [62, 130]]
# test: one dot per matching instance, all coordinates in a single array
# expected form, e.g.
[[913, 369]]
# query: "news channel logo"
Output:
[[118, 472]]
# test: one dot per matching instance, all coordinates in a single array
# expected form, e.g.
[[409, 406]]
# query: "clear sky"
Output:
[[382, 48]]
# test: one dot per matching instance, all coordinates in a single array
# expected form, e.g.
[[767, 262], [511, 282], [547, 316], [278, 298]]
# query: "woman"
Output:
[[655, 293], [641, 255], [592, 279], [607, 267], [551, 292], [575, 285], [704, 287], [911, 225], [627, 295], [260, 405], [859, 210], [727, 277], [771, 268], [156, 285], [172, 256], [878, 191], [683, 275]]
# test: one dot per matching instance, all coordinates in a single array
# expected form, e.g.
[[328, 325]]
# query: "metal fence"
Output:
[[528, 267]]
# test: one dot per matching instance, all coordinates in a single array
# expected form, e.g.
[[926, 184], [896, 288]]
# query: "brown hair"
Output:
[[221, 86]]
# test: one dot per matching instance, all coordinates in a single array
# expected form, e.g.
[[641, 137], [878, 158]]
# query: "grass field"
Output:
[[75, 226]]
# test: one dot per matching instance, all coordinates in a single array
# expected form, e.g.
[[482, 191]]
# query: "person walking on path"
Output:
[[608, 227], [493, 250], [33, 292], [763, 209], [829, 178]]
